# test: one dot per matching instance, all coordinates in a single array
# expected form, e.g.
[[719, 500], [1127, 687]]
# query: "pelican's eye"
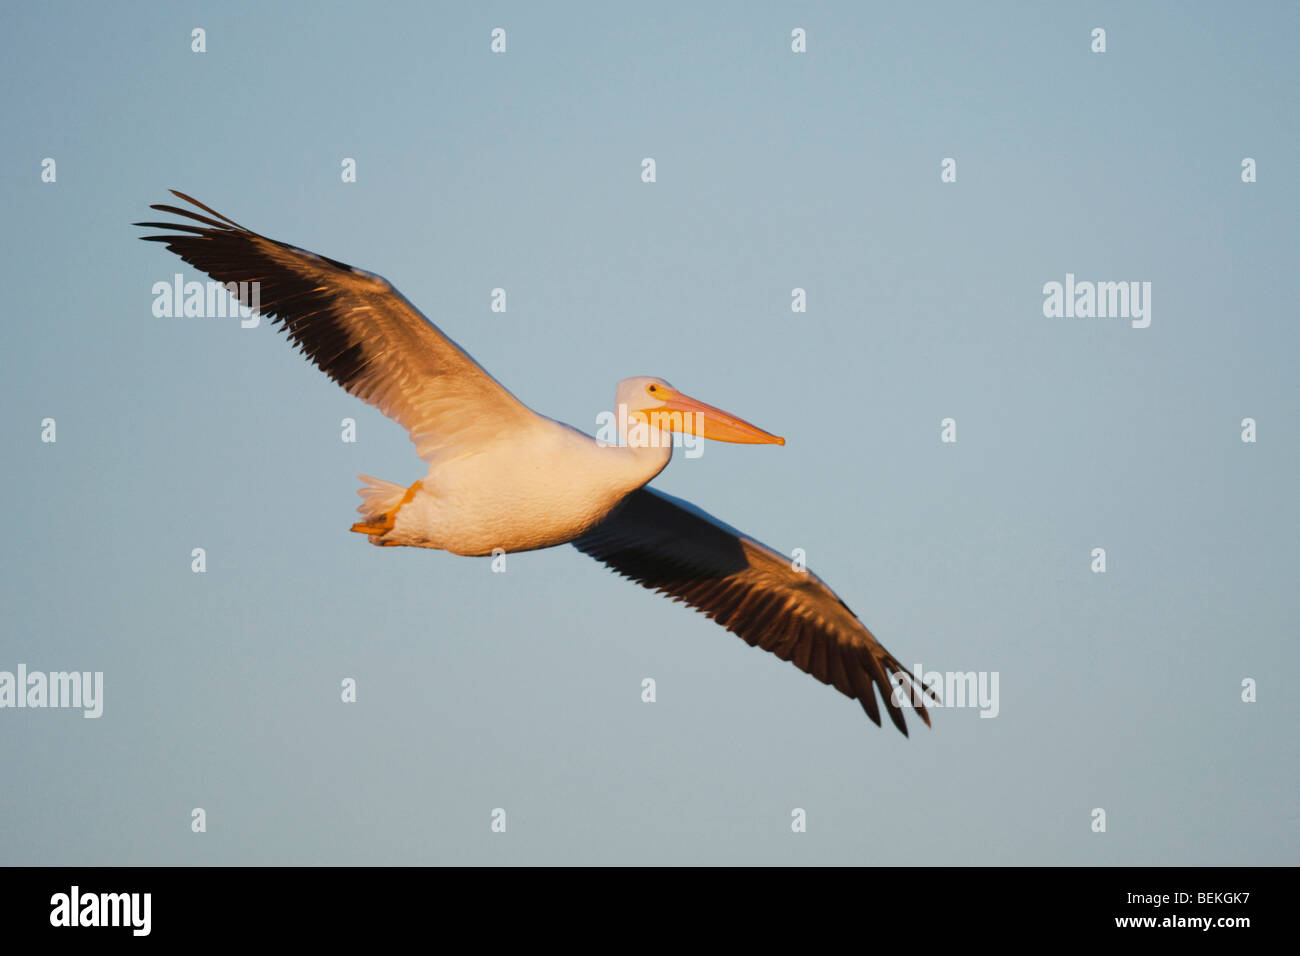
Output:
[[654, 388]]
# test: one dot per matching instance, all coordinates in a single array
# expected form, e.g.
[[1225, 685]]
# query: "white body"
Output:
[[534, 489]]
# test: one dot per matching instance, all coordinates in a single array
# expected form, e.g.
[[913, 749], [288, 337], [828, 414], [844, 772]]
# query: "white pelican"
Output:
[[502, 476]]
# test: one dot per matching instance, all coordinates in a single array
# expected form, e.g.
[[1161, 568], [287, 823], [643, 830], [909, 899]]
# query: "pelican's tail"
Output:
[[379, 503]]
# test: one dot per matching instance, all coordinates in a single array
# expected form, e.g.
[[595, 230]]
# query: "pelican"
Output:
[[501, 476]]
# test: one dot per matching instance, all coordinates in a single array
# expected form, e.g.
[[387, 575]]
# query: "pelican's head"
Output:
[[657, 403]]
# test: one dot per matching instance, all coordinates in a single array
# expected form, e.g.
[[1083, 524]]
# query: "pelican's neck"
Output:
[[606, 467], [640, 462]]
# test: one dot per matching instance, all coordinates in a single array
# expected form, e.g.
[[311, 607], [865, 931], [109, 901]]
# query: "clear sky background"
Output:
[[775, 170]]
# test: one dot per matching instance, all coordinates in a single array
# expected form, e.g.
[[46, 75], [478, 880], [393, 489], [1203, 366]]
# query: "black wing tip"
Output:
[[221, 222], [874, 715], [896, 716], [911, 684]]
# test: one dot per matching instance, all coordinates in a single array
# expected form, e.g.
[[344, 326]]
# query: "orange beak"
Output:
[[706, 420]]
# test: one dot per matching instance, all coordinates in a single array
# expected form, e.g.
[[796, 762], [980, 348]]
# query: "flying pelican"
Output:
[[502, 476]]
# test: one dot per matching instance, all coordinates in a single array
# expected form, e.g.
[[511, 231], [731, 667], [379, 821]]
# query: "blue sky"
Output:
[[775, 170]]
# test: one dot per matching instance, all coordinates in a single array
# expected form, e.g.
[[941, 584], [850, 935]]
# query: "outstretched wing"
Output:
[[357, 328], [674, 548]]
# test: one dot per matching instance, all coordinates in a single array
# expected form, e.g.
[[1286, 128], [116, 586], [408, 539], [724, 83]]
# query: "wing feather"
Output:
[[674, 548], [357, 328]]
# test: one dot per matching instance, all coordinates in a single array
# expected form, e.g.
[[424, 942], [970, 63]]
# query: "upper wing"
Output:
[[672, 547], [356, 327]]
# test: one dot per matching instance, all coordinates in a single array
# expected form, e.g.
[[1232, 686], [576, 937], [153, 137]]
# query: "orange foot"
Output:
[[387, 520]]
